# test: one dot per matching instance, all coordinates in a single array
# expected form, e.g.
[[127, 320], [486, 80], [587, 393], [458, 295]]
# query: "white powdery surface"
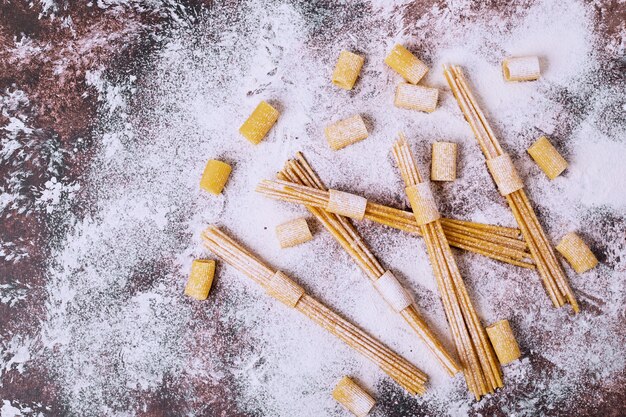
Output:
[[118, 323]]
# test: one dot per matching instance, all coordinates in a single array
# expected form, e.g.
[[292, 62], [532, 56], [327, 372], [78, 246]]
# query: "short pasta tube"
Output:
[[406, 64], [416, 97], [503, 342], [347, 70], [293, 233], [577, 253], [349, 394], [346, 132], [256, 127], [525, 68], [547, 157], [443, 161], [215, 176], [200, 279]]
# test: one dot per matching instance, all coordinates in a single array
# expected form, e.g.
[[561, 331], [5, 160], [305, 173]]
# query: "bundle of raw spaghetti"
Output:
[[497, 242], [283, 288], [511, 187], [299, 171], [480, 365]]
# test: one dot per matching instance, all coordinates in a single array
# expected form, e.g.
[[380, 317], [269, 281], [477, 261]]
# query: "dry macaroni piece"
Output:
[[524, 68], [353, 397], [577, 253], [504, 174], [503, 342], [347, 70], [200, 279], [345, 132], [406, 64], [215, 175], [293, 233], [259, 123], [415, 97], [547, 157], [443, 162]]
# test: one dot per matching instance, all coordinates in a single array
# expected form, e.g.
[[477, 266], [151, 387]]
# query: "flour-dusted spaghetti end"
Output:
[[353, 397], [577, 253], [547, 157], [215, 176], [293, 233], [406, 64], [200, 279], [524, 68], [346, 132], [347, 70], [443, 161], [503, 342], [416, 97], [256, 127]]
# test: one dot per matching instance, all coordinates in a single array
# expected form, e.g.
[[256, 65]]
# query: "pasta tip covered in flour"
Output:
[[256, 127], [525, 68], [200, 279], [346, 132], [349, 394], [547, 157], [215, 176], [416, 97], [347, 70], [406, 64]]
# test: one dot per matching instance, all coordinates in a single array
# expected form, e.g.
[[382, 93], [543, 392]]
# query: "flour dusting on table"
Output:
[[118, 331]]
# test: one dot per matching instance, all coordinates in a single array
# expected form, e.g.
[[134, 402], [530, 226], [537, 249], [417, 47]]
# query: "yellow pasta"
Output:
[[293, 233], [347, 70], [416, 97], [346, 132], [259, 123], [504, 174], [503, 342], [215, 175], [406, 64], [422, 203], [353, 397], [577, 253], [346, 204], [547, 157], [443, 161], [200, 279], [524, 68]]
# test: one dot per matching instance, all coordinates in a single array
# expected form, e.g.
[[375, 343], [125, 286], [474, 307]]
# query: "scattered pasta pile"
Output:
[[481, 351]]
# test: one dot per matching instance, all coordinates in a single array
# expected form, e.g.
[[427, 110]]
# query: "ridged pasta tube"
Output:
[[443, 161], [577, 253], [416, 97], [422, 203], [347, 70], [406, 64], [547, 157], [256, 127], [353, 397], [504, 174], [293, 233], [503, 342], [215, 176], [525, 68], [200, 279], [345, 132]]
